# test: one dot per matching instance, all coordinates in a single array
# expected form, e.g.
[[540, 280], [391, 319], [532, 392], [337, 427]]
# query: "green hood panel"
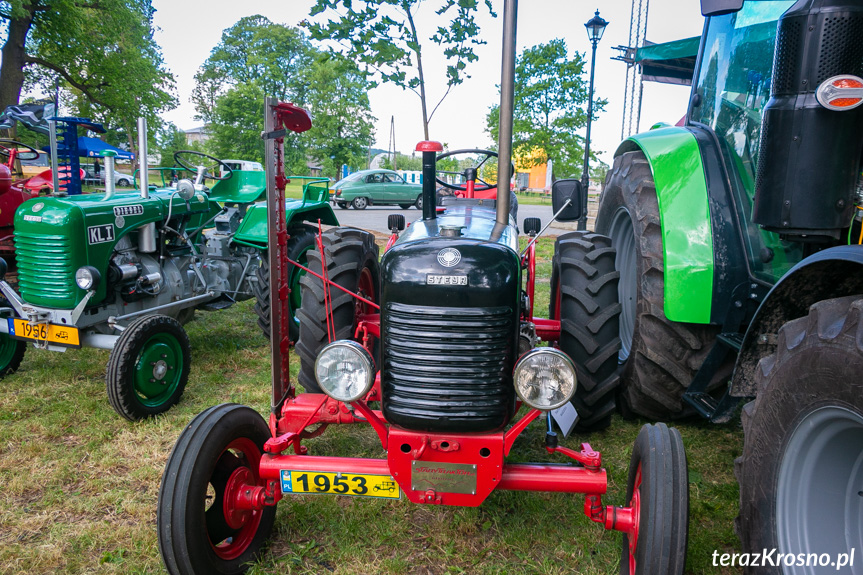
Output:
[[253, 228], [687, 237]]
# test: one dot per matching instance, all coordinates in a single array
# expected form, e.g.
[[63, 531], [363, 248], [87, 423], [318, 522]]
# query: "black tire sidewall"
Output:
[[184, 487], [120, 374]]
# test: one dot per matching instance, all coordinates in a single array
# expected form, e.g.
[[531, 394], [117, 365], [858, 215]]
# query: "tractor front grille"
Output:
[[46, 270], [447, 369]]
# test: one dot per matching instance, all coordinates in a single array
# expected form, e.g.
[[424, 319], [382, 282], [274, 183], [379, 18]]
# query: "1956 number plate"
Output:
[[44, 332], [340, 483]]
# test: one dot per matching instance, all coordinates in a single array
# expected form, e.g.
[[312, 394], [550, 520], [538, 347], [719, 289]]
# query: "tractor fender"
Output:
[[253, 228], [685, 218], [832, 273]]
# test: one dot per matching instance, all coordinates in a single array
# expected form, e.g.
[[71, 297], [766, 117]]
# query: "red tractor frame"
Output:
[[230, 468]]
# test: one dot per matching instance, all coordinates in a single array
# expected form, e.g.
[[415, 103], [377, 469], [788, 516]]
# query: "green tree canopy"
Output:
[[257, 58], [101, 51], [382, 35], [551, 97]]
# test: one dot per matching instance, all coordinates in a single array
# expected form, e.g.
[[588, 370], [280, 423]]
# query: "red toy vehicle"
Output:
[[442, 334]]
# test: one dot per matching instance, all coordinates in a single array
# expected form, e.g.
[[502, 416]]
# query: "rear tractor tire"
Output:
[[800, 474], [200, 529], [659, 358], [302, 239], [351, 257], [11, 350], [148, 367], [584, 299], [658, 487]]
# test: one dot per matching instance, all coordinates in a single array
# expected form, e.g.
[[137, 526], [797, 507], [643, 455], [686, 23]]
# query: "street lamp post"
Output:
[[595, 27]]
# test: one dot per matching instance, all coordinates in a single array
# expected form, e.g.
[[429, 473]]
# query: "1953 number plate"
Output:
[[441, 280], [355, 484]]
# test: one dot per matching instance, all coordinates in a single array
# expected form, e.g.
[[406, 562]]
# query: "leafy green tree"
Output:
[[257, 58], [382, 36], [403, 162], [342, 126], [550, 108], [101, 51], [170, 139]]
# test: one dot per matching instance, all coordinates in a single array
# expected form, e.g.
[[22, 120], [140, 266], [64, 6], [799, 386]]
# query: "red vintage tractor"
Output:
[[440, 332], [12, 195]]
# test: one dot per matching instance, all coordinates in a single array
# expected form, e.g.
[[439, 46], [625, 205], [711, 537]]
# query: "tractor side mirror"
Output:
[[563, 190], [720, 7]]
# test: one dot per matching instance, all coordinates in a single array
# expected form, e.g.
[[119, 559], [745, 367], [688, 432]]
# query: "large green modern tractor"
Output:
[[741, 273], [124, 272]]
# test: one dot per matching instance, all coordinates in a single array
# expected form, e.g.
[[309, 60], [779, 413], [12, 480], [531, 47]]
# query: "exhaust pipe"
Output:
[[146, 233], [507, 97], [109, 174]]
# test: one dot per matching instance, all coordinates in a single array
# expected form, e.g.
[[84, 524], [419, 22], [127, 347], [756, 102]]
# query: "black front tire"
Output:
[[659, 357], [195, 539], [301, 241], [148, 367], [800, 474], [658, 472], [584, 289], [352, 262]]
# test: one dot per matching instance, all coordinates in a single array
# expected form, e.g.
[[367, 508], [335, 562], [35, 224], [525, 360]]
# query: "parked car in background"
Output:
[[244, 165], [35, 166], [92, 177], [376, 187]]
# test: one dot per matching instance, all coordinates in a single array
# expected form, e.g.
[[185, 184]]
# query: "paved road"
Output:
[[374, 218]]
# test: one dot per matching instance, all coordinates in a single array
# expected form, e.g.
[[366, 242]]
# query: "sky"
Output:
[[189, 29]]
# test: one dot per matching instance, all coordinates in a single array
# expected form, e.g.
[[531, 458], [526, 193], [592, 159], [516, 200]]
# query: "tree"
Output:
[[382, 35], [337, 96], [550, 108], [101, 51], [257, 58]]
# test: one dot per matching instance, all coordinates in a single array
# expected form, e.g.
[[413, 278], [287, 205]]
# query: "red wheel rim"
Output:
[[238, 525], [635, 504], [366, 289]]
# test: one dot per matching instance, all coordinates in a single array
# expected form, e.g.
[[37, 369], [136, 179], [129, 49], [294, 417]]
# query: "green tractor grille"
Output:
[[46, 270]]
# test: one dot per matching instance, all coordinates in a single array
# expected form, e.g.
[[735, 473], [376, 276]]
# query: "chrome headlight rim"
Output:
[[364, 357], [522, 363], [87, 278]]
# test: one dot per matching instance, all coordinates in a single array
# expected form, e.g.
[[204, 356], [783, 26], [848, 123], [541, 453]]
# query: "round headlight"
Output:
[[544, 378], [345, 370], [87, 278]]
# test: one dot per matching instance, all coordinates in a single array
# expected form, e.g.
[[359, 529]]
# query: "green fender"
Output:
[[684, 212], [253, 228]]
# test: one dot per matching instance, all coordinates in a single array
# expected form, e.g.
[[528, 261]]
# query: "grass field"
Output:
[[79, 485]]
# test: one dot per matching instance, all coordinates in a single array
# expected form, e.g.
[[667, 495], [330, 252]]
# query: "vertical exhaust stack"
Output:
[[507, 98], [146, 233], [109, 174]]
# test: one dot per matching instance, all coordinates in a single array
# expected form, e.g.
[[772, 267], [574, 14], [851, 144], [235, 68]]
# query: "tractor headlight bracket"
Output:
[[544, 378]]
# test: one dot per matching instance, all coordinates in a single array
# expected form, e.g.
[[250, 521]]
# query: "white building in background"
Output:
[[200, 134]]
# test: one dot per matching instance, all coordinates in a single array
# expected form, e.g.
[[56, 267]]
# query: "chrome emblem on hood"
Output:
[[448, 257]]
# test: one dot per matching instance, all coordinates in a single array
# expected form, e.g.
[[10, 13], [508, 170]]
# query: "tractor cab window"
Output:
[[733, 86]]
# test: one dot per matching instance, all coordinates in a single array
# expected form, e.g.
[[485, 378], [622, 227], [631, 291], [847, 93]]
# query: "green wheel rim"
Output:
[[7, 349], [297, 274], [158, 370]]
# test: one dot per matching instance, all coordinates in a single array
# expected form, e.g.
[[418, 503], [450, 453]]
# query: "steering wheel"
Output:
[[10, 148], [209, 169], [471, 174]]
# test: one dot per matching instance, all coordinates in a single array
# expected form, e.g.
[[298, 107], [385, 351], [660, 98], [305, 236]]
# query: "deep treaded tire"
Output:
[[659, 358], [584, 286], [658, 471], [352, 262], [148, 367], [220, 444], [302, 240], [800, 475]]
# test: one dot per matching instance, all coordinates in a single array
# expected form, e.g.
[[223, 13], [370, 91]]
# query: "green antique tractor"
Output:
[[124, 272], [741, 271]]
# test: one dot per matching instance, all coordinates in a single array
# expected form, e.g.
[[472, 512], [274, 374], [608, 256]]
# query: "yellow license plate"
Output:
[[340, 483], [50, 332]]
